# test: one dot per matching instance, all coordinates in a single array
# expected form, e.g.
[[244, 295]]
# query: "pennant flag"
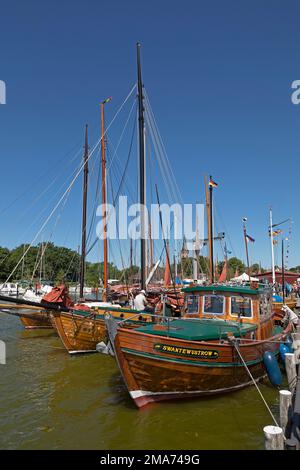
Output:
[[275, 232], [249, 239], [213, 183], [275, 242]]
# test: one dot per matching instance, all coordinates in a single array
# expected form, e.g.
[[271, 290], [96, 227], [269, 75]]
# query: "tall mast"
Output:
[[142, 166], [210, 227], [246, 245], [272, 249], [226, 259], [196, 250], [151, 261], [104, 202], [84, 211], [282, 271], [131, 262]]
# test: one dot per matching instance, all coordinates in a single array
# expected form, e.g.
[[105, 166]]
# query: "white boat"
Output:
[[75, 289], [11, 289], [36, 295]]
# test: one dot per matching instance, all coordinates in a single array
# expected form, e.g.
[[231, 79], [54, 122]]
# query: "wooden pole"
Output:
[[282, 271], [103, 161], [273, 438], [211, 241], [246, 246], [290, 366], [285, 402], [84, 212], [272, 250], [142, 166], [209, 230]]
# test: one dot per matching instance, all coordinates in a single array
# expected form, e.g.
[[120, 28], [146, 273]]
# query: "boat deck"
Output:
[[199, 330]]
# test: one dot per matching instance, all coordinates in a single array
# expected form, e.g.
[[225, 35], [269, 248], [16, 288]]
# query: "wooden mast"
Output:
[[208, 193], [246, 246], [282, 271], [142, 166], [84, 212], [103, 166]]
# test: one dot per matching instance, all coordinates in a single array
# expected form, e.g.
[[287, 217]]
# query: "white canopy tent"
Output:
[[244, 277]]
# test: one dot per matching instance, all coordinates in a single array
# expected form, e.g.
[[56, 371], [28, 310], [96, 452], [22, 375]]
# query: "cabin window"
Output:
[[241, 306], [192, 303], [213, 304]]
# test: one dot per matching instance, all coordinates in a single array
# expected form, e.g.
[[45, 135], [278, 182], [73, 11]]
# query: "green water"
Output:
[[50, 400]]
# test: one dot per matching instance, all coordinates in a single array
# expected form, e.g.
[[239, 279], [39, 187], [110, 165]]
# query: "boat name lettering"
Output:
[[207, 353]]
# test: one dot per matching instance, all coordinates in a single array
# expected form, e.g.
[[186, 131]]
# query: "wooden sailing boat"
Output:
[[204, 353], [217, 346], [83, 328], [43, 318]]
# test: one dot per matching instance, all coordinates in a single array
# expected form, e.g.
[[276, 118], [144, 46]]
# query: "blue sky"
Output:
[[218, 75]]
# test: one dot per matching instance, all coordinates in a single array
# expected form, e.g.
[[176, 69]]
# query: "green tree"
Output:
[[235, 264], [5, 267], [255, 268]]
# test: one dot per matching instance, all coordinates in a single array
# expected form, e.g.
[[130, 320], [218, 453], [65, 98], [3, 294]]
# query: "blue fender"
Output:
[[283, 349], [272, 368], [289, 344]]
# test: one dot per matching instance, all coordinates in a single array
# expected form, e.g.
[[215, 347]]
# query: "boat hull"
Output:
[[79, 334], [36, 320], [153, 369]]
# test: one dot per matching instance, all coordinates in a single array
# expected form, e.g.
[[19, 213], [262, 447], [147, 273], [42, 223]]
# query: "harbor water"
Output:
[[51, 400]]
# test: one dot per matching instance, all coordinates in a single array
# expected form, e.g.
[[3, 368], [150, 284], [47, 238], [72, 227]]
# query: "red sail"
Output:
[[167, 276], [223, 276], [58, 295]]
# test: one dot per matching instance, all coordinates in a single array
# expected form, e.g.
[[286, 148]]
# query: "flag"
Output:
[[275, 233], [107, 100], [275, 242], [213, 184], [249, 239]]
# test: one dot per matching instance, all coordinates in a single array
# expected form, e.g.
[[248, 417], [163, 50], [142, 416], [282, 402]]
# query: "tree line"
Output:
[[50, 263]]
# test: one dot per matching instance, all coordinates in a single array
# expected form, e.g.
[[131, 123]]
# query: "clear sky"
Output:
[[219, 77]]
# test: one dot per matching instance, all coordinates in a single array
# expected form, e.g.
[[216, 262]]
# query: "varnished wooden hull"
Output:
[[153, 373], [78, 333], [36, 319]]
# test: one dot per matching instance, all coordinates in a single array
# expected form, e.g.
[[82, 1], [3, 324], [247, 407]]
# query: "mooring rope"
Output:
[[233, 342]]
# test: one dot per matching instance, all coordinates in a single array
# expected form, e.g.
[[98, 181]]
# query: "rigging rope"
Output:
[[121, 182], [71, 184]]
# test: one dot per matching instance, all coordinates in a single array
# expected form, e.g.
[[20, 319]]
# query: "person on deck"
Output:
[[141, 303]]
